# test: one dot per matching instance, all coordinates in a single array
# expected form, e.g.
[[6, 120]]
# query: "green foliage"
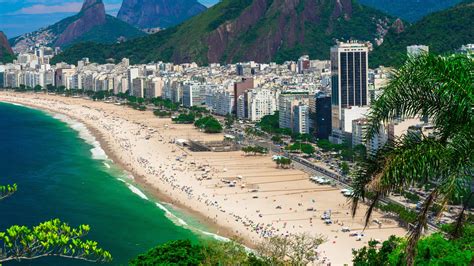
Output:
[[6, 56], [37, 88], [230, 10], [426, 86], [51, 238], [406, 215], [410, 10], [165, 103], [432, 31], [8, 190], [431, 250], [185, 118], [229, 121], [345, 168], [270, 124], [277, 139], [255, 150], [411, 196], [209, 124], [283, 162], [296, 249], [303, 147], [345, 151], [183, 252], [371, 256], [161, 113], [251, 131], [178, 252]]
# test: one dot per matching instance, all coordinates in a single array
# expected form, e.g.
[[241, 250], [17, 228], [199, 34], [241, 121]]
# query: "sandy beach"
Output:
[[265, 201]]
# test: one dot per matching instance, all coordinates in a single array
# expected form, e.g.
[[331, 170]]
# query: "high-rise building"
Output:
[[323, 116], [286, 104], [303, 64], [193, 94], [260, 102], [240, 88], [301, 118], [349, 72], [138, 87], [133, 73]]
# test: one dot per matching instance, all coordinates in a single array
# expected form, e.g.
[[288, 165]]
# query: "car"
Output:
[[347, 192]]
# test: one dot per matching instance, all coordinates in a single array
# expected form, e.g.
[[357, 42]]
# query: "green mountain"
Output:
[[443, 32], [241, 30], [410, 10], [90, 24]]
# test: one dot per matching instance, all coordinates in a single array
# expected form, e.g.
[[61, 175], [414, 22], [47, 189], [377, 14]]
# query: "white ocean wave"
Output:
[[171, 215], [137, 191], [17, 104], [97, 152]]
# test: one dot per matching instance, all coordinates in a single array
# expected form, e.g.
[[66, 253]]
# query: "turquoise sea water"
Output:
[[58, 177]]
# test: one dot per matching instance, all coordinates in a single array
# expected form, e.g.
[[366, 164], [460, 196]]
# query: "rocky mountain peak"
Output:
[[90, 3], [4, 45], [92, 14], [5, 49]]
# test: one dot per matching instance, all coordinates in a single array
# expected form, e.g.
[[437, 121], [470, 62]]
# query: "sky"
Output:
[[21, 16]]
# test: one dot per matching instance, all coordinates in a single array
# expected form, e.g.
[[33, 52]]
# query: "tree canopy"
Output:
[[440, 89], [431, 250], [210, 124], [50, 238]]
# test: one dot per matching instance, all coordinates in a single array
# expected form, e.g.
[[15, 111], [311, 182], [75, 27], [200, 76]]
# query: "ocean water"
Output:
[[61, 172]]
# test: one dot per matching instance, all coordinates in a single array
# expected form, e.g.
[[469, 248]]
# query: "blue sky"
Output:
[[22, 16]]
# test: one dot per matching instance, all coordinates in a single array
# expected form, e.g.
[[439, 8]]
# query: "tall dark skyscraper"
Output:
[[349, 68], [323, 116]]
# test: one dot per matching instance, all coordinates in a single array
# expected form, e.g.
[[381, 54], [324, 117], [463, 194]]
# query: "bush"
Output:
[[160, 113], [183, 252], [185, 118], [303, 147], [209, 124], [255, 150], [179, 252]]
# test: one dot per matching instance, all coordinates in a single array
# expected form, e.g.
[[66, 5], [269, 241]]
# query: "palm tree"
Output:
[[442, 90]]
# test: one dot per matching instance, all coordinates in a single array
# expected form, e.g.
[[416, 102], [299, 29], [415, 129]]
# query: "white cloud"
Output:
[[71, 7]]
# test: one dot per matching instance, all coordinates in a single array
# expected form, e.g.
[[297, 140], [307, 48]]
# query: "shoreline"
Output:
[[216, 231], [229, 212]]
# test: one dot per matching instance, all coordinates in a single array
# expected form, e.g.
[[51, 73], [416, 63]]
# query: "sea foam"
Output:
[[17, 104], [137, 191], [97, 152]]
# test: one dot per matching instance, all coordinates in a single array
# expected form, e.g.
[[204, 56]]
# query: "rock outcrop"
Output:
[[6, 52], [158, 13], [91, 24], [92, 14], [4, 45]]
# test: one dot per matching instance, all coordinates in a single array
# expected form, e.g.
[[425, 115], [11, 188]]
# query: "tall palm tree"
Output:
[[442, 90]]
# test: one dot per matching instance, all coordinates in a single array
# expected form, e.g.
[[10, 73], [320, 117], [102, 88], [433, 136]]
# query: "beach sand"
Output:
[[142, 144]]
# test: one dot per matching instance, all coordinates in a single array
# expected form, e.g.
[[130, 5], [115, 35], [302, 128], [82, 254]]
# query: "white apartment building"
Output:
[[261, 102], [301, 119]]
